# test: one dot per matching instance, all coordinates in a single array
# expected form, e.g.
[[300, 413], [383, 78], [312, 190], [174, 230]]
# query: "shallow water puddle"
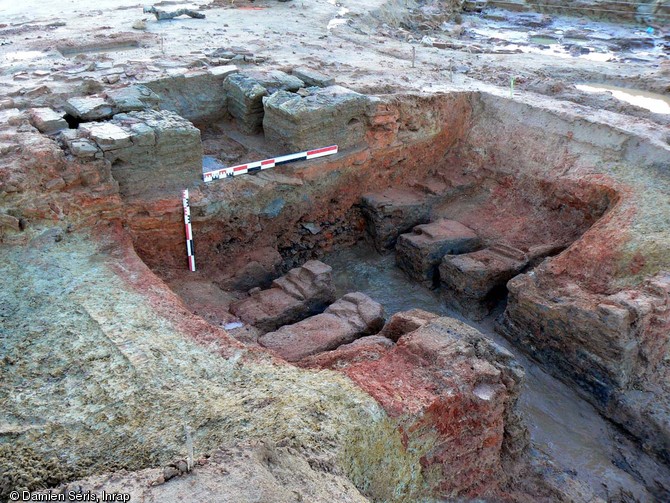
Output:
[[654, 102], [339, 19], [24, 55]]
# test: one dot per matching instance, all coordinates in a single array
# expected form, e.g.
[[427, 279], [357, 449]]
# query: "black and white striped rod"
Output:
[[190, 251]]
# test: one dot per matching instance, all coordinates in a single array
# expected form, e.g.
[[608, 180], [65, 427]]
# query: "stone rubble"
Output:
[[111, 102]]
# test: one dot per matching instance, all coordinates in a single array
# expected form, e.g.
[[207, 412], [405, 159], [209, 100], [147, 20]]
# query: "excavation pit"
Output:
[[421, 160], [249, 230], [429, 166], [358, 326]]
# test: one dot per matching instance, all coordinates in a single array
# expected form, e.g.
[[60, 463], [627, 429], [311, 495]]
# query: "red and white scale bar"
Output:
[[190, 251], [242, 170], [251, 167]]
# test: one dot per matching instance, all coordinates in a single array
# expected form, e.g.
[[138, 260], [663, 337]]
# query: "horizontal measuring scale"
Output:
[[251, 167]]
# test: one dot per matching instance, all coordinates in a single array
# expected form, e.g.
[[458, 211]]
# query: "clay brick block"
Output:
[[420, 252], [302, 292], [471, 282], [351, 317], [392, 212]]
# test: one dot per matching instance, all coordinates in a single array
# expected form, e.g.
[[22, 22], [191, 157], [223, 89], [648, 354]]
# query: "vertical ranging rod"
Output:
[[190, 252]]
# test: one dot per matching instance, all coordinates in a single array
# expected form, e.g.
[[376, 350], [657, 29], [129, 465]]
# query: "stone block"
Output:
[[370, 347], [392, 212], [351, 317], [47, 121], [451, 386], [89, 108], [313, 77], [276, 80], [361, 312], [369, 341], [132, 98], [600, 343], [591, 339], [473, 282], [142, 134], [223, 71], [83, 148], [302, 292], [420, 252], [67, 135], [328, 116], [245, 101], [107, 135], [313, 280]]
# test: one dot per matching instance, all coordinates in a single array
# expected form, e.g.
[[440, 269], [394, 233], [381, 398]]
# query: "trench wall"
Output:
[[234, 216], [597, 314]]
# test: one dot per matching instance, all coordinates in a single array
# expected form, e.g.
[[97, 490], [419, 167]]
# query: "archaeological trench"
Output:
[[539, 235]]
